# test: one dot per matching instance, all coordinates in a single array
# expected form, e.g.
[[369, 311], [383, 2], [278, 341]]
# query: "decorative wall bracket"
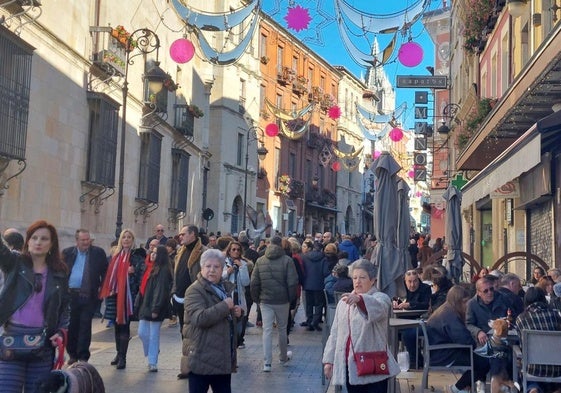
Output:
[[97, 193], [144, 210], [18, 8], [174, 216], [4, 177]]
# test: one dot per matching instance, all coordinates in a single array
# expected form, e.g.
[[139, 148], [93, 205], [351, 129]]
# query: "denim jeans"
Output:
[[149, 334], [271, 312]]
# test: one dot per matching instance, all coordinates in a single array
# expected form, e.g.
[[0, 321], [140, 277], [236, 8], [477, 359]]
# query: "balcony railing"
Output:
[[184, 121], [109, 53]]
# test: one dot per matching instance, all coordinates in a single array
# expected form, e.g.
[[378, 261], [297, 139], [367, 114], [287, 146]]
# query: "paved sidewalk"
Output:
[[301, 374]]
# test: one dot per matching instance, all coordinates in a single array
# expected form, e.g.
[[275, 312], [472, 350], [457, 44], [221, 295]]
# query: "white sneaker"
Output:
[[288, 357], [267, 368], [454, 389]]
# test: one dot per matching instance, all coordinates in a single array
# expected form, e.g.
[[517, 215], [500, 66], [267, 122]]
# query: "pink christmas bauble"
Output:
[[410, 54], [272, 130], [336, 166], [182, 50], [396, 134], [377, 153], [411, 174]]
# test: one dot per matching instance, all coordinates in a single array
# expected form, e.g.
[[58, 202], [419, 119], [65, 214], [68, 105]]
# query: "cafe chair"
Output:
[[539, 347], [428, 348]]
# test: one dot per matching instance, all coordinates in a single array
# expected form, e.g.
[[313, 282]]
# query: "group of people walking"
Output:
[[52, 296]]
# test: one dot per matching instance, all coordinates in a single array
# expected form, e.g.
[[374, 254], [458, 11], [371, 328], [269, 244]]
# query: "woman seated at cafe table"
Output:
[[447, 326]]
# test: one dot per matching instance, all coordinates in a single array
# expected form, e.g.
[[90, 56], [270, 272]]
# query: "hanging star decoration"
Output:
[[298, 18], [334, 112], [320, 16]]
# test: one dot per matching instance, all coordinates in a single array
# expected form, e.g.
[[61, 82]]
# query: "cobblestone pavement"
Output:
[[301, 374]]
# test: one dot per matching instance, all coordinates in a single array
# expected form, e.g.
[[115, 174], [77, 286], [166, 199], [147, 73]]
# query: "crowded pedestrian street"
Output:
[[301, 374]]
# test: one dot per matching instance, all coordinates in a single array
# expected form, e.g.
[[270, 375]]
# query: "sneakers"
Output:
[[454, 389], [152, 368], [288, 357], [267, 368]]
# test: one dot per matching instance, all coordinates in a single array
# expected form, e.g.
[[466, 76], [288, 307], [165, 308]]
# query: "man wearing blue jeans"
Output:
[[273, 287]]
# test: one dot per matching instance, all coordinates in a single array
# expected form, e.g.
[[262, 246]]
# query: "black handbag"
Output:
[[23, 346]]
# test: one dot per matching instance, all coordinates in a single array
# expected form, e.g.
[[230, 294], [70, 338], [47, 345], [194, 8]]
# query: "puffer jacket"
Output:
[[19, 286], [274, 279], [316, 270], [207, 349], [348, 246]]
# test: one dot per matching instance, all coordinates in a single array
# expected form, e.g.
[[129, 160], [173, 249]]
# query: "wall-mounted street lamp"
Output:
[[140, 42], [449, 112], [261, 154]]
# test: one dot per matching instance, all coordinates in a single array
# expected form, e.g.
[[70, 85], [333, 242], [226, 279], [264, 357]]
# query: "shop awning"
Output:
[[520, 157], [322, 207]]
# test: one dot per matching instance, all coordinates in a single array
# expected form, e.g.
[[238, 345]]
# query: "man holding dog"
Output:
[[87, 265]]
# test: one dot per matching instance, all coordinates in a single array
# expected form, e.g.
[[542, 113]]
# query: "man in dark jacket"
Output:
[[273, 286], [417, 298], [87, 265], [317, 269], [187, 267], [487, 304]]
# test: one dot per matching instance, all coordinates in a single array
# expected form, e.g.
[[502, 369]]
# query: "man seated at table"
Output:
[[487, 304], [539, 316], [510, 286], [417, 298]]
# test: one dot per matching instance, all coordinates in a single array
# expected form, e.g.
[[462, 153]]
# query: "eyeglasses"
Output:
[[38, 282], [235, 249], [159, 230], [487, 290]]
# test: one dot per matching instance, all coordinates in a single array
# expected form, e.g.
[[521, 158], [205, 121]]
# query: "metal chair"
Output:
[[539, 347], [428, 348]]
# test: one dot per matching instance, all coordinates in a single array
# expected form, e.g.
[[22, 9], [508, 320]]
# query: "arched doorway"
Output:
[[237, 213]]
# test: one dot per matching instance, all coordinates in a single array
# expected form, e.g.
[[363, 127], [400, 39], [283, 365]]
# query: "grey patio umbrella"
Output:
[[403, 224], [385, 256], [453, 231]]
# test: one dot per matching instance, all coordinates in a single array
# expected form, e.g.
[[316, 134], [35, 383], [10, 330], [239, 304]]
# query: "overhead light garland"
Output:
[[201, 22]]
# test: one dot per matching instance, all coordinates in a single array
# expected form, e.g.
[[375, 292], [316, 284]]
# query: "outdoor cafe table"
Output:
[[408, 313], [397, 324]]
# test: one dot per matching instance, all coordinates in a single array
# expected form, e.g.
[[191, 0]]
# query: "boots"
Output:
[[117, 347], [122, 354]]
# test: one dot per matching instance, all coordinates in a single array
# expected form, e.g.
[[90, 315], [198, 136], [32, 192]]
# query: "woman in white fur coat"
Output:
[[363, 314]]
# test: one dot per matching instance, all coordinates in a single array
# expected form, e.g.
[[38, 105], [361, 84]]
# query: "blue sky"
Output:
[[323, 37]]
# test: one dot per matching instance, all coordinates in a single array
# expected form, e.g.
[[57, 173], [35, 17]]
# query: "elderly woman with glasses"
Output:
[[209, 351], [34, 301], [237, 271], [360, 324]]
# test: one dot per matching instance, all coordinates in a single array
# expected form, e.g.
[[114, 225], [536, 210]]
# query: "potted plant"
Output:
[[284, 184], [123, 37], [477, 13], [169, 84], [195, 110]]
